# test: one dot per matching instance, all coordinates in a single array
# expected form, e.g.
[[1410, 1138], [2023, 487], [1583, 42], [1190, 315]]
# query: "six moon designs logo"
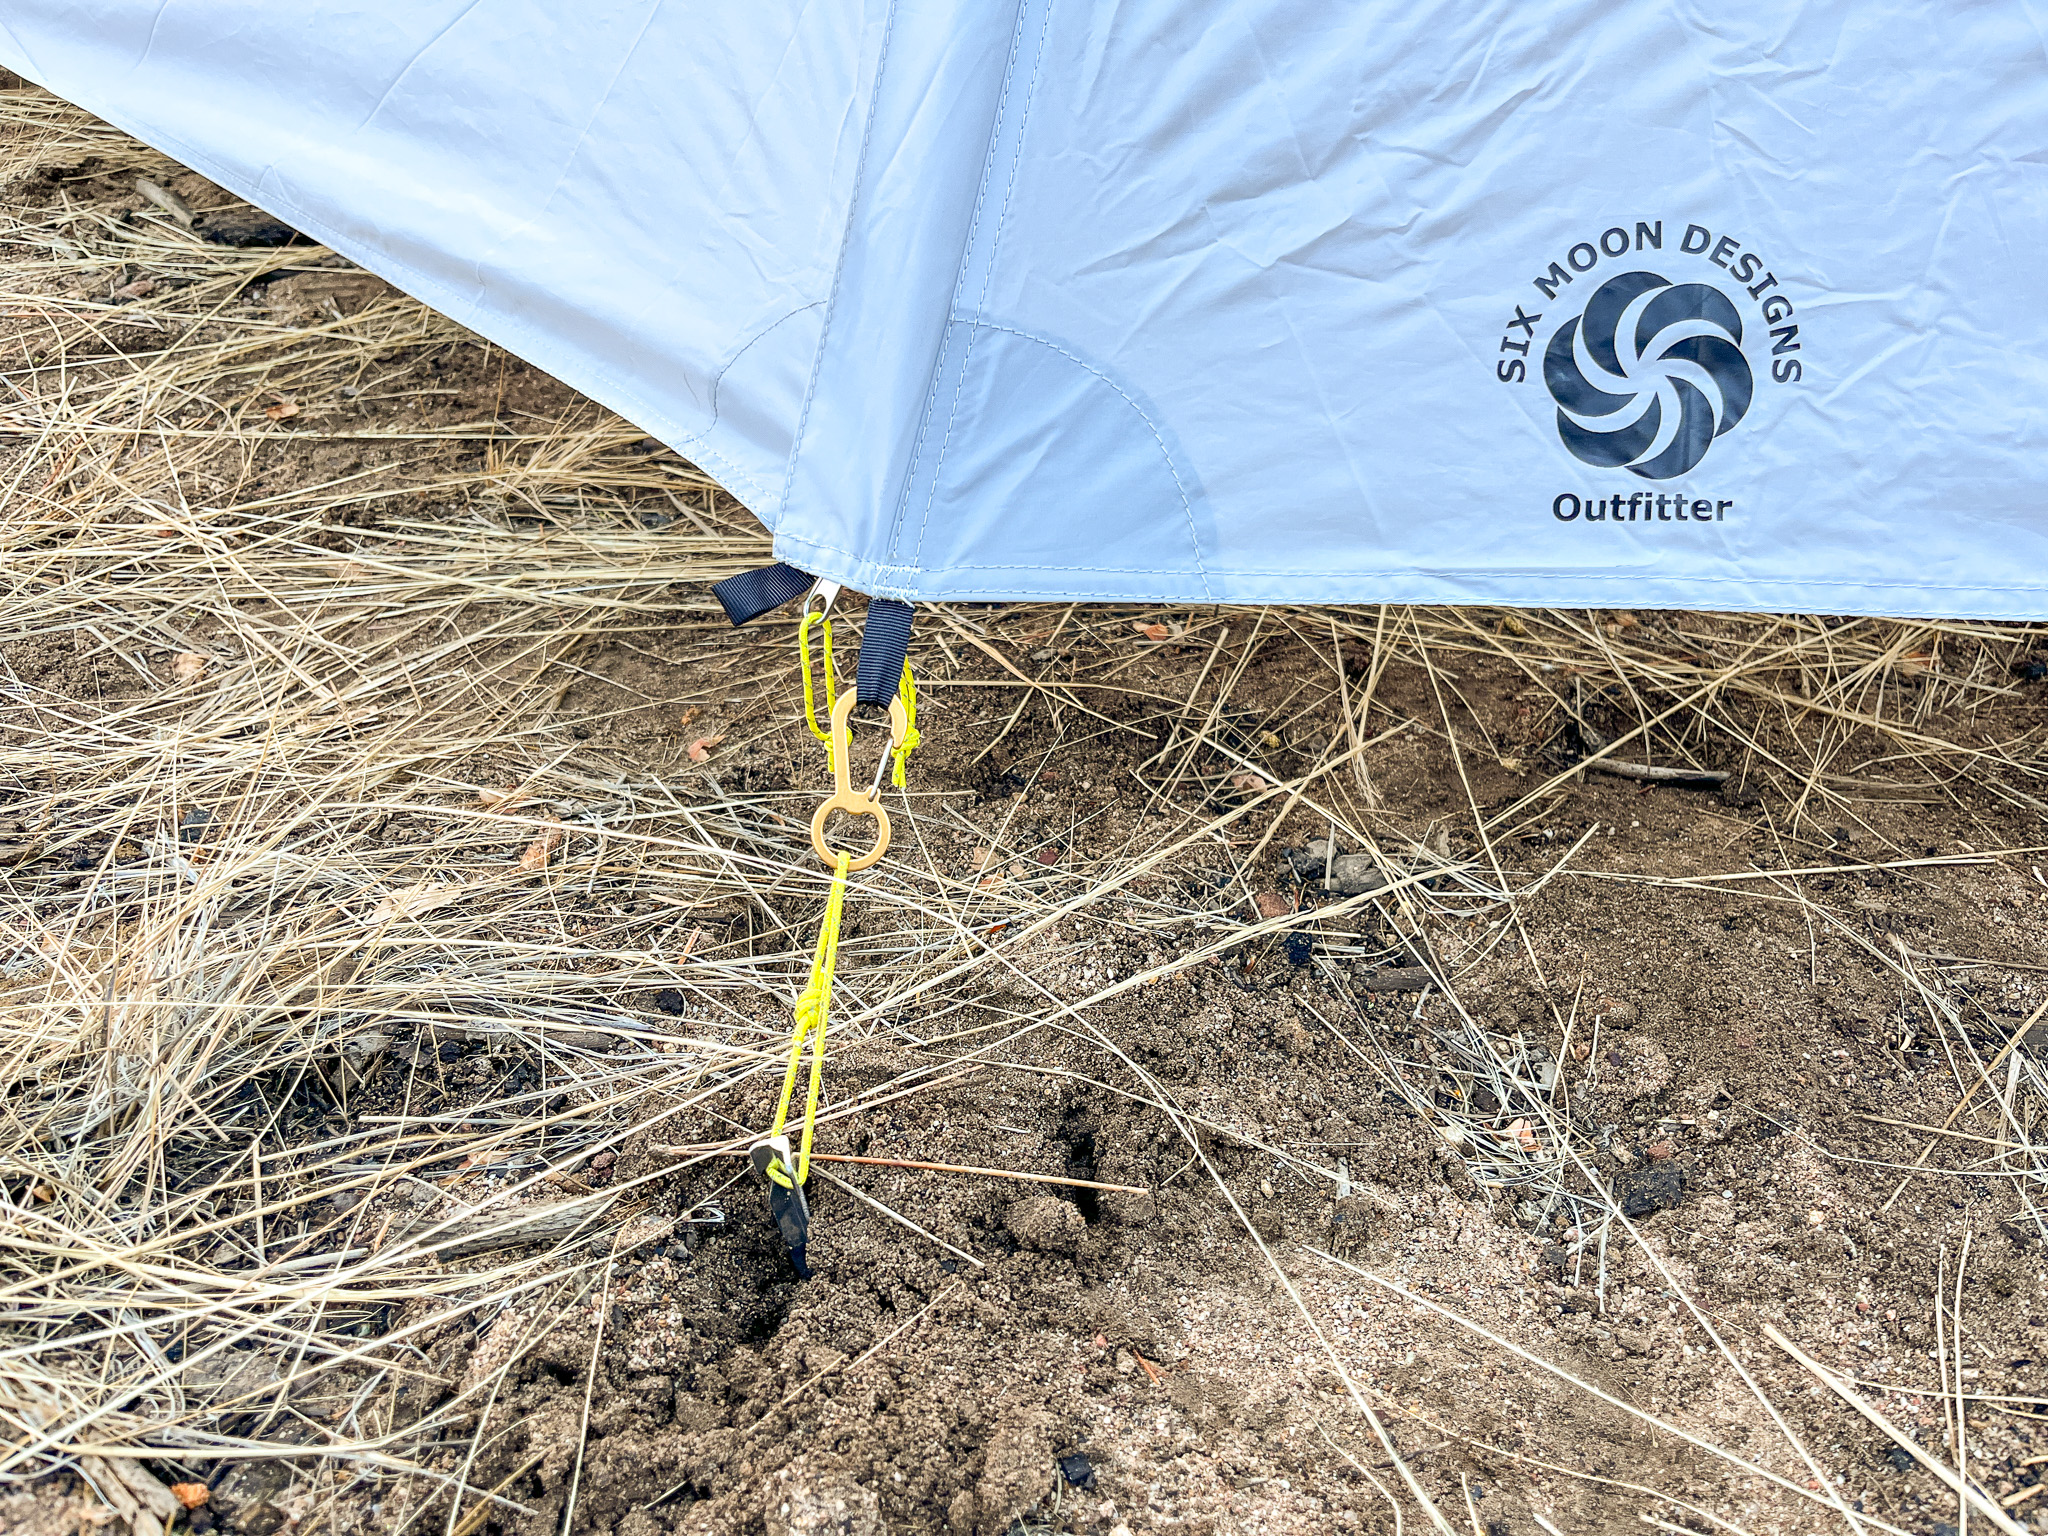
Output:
[[1649, 375], [1652, 369]]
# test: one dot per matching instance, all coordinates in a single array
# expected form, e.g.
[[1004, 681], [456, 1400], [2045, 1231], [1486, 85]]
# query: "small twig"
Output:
[[1400, 978], [987, 1173], [1149, 1368], [1703, 777]]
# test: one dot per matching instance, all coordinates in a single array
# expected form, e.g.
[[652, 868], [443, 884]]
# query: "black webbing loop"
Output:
[[752, 593], [883, 645]]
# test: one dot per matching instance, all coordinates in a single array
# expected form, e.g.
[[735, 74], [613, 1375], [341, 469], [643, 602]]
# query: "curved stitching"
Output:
[[931, 399], [1180, 486], [718, 378], [860, 174]]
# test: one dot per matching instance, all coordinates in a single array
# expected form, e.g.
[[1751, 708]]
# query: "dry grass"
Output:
[[292, 834]]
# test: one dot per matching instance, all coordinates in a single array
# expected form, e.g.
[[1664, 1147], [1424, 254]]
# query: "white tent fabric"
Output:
[[1589, 302]]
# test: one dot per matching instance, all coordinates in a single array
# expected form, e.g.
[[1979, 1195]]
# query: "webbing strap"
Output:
[[750, 594], [883, 646]]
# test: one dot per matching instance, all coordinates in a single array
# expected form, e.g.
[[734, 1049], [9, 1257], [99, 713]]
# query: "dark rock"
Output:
[[1078, 1472], [1648, 1188], [450, 1050], [669, 1000], [243, 227]]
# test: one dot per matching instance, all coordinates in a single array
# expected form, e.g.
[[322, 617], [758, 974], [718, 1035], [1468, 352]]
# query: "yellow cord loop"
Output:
[[908, 693], [803, 656], [812, 1010]]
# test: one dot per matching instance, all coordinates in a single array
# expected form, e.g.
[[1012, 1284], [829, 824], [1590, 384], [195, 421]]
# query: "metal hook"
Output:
[[843, 798]]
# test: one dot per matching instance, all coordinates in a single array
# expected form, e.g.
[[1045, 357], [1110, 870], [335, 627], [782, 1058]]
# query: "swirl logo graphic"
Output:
[[1649, 375]]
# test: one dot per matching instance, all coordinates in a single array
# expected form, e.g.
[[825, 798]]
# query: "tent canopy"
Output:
[[1596, 302]]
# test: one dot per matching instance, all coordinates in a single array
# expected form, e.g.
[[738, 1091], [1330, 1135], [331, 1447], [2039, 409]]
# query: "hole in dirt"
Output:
[[1080, 1142], [766, 1311]]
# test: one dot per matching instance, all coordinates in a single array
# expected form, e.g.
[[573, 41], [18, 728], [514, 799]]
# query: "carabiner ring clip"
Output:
[[843, 798], [825, 594]]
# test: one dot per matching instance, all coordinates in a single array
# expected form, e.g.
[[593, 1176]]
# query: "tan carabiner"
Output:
[[843, 796]]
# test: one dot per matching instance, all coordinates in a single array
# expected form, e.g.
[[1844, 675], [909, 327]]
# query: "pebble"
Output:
[[1353, 874], [450, 1050], [1266, 1188], [360, 1047]]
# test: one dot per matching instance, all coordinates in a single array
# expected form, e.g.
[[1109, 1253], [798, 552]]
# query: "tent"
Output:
[[1591, 303]]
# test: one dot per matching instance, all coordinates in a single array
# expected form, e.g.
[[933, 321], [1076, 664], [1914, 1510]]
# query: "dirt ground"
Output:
[[1793, 1013]]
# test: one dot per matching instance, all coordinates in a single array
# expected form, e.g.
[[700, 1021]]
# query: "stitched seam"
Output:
[[1411, 573], [931, 400], [860, 174], [1179, 486], [995, 245]]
